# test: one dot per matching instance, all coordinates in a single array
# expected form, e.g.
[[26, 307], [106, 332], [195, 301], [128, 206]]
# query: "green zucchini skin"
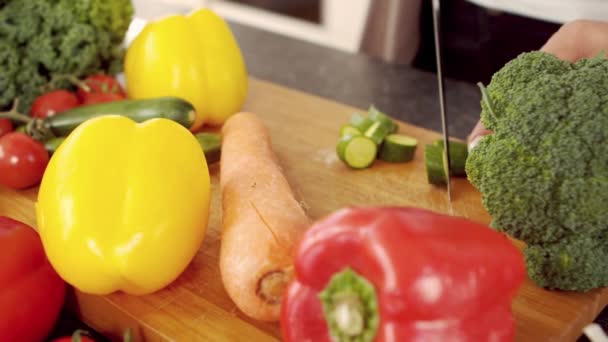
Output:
[[398, 148], [172, 108], [459, 152], [212, 146], [53, 144], [435, 167]]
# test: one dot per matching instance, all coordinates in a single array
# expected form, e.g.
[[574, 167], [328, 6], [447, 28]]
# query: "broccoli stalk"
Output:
[[40, 39], [543, 172]]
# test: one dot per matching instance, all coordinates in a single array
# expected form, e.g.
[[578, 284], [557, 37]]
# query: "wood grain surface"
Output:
[[304, 131]]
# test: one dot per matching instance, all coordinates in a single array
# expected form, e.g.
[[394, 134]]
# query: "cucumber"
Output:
[[212, 146], [377, 116], [358, 152], [360, 122], [52, 144], [459, 153], [172, 108], [377, 132], [398, 148], [349, 130], [433, 160]]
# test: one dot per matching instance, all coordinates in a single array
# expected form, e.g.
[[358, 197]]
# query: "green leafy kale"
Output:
[[41, 40], [543, 172]]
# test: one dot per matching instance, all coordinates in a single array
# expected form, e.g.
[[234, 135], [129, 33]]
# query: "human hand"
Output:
[[573, 41]]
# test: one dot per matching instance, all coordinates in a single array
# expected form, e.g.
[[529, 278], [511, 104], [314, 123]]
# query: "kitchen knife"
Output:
[[442, 102]]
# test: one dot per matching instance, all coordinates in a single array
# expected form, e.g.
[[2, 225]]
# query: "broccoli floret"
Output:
[[543, 173], [583, 255], [43, 39]]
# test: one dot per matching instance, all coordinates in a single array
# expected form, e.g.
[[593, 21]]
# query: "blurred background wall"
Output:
[[479, 35]]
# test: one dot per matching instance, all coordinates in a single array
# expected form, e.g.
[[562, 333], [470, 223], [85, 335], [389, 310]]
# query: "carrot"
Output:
[[261, 219]]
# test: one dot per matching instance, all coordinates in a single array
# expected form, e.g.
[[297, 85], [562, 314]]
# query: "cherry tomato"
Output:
[[5, 126], [93, 98], [22, 160], [52, 103], [100, 83], [71, 339], [31, 292], [78, 336]]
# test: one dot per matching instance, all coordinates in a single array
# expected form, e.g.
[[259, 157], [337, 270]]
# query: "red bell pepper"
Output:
[[401, 274], [31, 292]]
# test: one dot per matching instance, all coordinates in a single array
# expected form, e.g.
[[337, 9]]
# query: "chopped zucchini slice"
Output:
[[433, 160], [398, 148], [377, 116], [459, 153], [211, 145], [360, 122], [349, 130], [377, 132], [357, 151]]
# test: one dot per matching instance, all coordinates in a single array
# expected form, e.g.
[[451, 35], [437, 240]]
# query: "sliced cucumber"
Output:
[[349, 130], [357, 151], [360, 122], [398, 148], [377, 132], [212, 146], [377, 116], [459, 153], [433, 160]]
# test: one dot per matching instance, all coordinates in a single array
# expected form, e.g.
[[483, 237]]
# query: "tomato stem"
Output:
[[126, 337], [77, 335], [72, 79], [13, 114]]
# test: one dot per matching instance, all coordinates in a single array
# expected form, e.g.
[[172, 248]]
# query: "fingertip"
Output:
[[473, 142]]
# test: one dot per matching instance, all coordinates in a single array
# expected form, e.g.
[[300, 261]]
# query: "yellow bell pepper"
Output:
[[193, 56], [124, 206]]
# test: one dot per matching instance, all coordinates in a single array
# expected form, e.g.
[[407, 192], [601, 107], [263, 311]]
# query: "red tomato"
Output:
[[100, 83], [5, 126], [22, 161], [31, 292], [53, 102], [94, 98], [78, 335], [71, 339]]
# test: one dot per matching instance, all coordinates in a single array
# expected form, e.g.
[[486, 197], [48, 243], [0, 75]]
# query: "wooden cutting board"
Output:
[[304, 130]]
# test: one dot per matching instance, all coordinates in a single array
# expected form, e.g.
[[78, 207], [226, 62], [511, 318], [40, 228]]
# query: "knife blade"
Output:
[[442, 102]]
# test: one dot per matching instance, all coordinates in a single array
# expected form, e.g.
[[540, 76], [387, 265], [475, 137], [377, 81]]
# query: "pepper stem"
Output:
[[349, 315], [350, 307]]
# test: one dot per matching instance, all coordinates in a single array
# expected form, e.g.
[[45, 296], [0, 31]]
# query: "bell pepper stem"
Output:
[[350, 307], [349, 315]]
